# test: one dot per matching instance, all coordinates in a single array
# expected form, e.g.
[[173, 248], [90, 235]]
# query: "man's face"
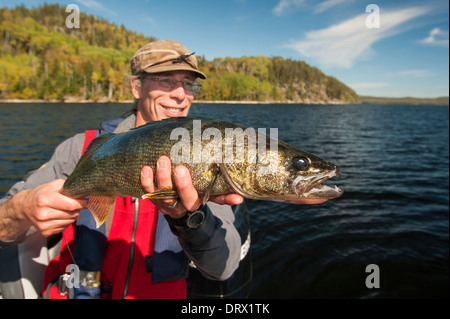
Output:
[[157, 102]]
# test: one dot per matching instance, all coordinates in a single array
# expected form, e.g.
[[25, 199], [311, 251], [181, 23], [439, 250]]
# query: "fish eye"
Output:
[[301, 163]]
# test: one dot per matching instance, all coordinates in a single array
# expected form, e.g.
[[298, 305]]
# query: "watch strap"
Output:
[[192, 219]]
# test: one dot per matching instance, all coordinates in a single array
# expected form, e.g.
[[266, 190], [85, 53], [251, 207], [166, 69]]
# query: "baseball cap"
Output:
[[163, 56]]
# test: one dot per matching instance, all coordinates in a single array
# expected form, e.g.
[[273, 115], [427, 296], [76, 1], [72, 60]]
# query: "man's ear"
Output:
[[136, 89]]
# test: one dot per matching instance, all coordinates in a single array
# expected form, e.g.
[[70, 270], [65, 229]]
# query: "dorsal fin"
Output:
[[96, 142]]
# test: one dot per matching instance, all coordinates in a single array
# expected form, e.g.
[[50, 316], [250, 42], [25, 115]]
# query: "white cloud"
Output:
[[436, 37], [328, 4], [150, 20], [421, 73], [95, 5], [285, 5], [341, 44], [367, 85]]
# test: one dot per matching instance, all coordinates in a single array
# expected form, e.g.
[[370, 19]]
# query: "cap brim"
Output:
[[175, 67]]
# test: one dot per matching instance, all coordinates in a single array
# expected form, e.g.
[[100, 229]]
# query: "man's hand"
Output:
[[43, 206], [49, 210], [188, 196]]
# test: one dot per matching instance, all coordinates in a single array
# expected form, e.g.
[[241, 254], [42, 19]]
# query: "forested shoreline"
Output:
[[42, 59]]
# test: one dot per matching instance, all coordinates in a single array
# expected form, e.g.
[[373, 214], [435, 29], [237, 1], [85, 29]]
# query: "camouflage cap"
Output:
[[164, 56]]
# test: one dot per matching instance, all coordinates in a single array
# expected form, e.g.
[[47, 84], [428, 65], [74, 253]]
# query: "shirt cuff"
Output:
[[200, 235]]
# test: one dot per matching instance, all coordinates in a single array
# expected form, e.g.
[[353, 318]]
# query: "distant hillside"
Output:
[[40, 58], [405, 100], [262, 78]]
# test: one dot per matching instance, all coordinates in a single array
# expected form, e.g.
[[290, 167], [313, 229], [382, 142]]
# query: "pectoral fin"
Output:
[[235, 184], [100, 206], [213, 173]]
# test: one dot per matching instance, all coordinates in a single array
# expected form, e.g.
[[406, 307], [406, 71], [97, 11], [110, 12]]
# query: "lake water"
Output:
[[394, 212]]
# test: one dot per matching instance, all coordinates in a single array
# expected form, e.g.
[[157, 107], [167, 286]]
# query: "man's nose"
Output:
[[178, 91]]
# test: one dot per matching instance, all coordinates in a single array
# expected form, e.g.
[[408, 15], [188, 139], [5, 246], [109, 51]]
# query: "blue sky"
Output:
[[407, 55]]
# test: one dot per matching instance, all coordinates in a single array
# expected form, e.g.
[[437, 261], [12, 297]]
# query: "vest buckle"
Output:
[[90, 278], [62, 284]]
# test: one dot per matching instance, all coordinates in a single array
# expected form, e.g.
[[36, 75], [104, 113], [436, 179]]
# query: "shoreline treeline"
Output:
[[40, 58]]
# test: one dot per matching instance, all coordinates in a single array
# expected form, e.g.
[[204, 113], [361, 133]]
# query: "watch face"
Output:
[[195, 219]]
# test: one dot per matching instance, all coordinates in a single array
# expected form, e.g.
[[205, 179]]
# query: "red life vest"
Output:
[[115, 269]]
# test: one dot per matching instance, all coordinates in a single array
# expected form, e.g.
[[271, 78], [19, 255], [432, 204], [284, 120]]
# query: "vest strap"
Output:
[[89, 246]]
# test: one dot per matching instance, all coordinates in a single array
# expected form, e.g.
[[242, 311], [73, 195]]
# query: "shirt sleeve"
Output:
[[215, 245], [61, 165]]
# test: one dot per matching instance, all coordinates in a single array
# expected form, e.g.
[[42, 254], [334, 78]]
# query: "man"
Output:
[[144, 255]]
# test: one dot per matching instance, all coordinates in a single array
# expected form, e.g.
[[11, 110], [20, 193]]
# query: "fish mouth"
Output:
[[311, 187]]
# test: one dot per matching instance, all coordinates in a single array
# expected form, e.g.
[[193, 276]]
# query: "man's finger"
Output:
[[147, 179], [164, 172], [188, 194], [229, 199]]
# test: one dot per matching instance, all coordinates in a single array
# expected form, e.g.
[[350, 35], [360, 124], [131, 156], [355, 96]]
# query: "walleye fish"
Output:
[[222, 158]]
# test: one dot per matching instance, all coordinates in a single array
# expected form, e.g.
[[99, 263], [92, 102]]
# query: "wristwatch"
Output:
[[191, 220]]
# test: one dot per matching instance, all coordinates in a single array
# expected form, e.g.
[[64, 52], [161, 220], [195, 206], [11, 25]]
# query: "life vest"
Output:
[[130, 266]]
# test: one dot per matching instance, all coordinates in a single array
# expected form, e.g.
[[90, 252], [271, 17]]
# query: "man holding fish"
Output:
[[133, 252]]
